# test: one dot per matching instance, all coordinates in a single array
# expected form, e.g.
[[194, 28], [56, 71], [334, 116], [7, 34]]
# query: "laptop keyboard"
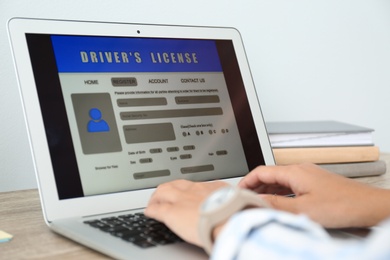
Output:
[[137, 229]]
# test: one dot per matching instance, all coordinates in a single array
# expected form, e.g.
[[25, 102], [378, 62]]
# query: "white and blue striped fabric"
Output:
[[271, 234]]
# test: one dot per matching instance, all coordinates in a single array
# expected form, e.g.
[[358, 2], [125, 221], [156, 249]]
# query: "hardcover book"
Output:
[[322, 155], [360, 169], [317, 134]]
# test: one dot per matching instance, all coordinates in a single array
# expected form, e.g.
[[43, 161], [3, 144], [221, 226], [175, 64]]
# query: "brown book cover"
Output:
[[321, 155]]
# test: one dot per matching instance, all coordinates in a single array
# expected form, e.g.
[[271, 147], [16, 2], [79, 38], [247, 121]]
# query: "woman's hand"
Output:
[[177, 204], [329, 199]]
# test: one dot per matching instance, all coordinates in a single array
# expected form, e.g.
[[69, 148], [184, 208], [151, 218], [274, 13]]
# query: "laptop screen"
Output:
[[129, 113]]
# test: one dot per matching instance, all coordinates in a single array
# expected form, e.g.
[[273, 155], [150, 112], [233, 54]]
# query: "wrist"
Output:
[[219, 207], [217, 230]]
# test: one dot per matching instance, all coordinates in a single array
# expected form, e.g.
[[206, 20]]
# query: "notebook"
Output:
[[114, 109]]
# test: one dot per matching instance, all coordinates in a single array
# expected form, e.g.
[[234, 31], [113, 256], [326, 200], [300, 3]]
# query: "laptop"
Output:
[[115, 109]]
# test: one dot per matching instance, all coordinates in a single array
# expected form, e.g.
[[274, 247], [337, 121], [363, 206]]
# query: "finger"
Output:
[[272, 189], [179, 184], [179, 218], [166, 194], [266, 175], [282, 203], [157, 210]]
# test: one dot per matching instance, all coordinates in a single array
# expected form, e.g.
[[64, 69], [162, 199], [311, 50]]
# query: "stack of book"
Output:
[[339, 147]]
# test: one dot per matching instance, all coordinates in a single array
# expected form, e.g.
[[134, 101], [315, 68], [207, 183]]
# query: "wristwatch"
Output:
[[220, 206]]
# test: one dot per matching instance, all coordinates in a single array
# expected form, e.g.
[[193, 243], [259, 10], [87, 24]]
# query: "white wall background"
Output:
[[324, 59]]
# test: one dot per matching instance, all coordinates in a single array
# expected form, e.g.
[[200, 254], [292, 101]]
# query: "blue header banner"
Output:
[[116, 54]]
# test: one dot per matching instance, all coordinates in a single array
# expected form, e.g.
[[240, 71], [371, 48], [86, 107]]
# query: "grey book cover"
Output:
[[357, 169], [311, 127], [317, 134]]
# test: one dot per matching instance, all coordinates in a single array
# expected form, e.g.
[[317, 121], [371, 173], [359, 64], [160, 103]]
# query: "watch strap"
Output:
[[208, 220]]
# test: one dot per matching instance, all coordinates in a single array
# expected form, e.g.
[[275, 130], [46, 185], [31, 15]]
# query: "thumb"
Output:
[[281, 202]]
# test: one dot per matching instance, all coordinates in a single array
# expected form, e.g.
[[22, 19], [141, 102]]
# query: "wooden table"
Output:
[[21, 216]]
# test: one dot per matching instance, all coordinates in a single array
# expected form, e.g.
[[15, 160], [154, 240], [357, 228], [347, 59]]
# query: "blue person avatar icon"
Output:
[[97, 124]]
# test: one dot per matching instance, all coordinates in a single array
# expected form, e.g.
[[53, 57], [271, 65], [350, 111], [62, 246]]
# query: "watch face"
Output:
[[218, 198]]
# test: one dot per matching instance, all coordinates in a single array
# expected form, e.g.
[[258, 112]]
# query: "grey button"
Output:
[[195, 169], [146, 160], [173, 149], [155, 150], [185, 156], [124, 82], [189, 147], [141, 102], [153, 114], [152, 174], [222, 152], [149, 133], [196, 99]]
